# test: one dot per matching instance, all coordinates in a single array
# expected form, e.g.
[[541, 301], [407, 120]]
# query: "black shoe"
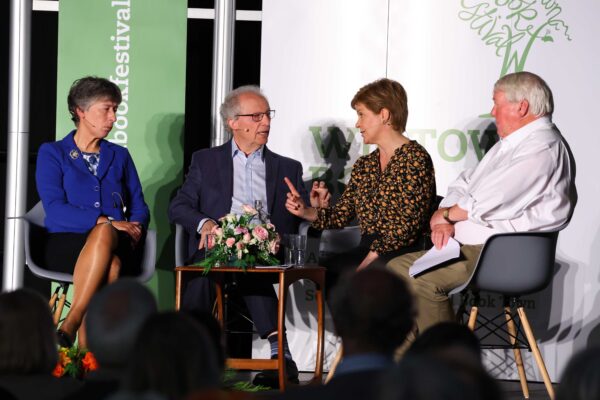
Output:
[[270, 377], [63, 339]]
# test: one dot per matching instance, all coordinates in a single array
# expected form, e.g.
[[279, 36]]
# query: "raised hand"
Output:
[[319, 195], [295, 204]]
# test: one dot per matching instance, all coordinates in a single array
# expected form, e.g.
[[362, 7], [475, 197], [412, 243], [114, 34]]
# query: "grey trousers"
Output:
[[431, 288]]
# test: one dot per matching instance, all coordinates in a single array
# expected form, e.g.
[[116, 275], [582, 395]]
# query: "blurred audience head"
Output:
[[448, 340], [424, 377], [450, 354], [388, 94], [27, 336], [213, 328], [114, 318], [581, 377], [372, 311], [174, 356]]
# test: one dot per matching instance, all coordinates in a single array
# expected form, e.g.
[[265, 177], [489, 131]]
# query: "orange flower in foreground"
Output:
[[89, 362], [63, 358], [58, 370]]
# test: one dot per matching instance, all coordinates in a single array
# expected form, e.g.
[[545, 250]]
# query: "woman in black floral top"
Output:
[[391, 190]]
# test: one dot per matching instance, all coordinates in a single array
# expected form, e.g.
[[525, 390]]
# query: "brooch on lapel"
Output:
[[74, 154]]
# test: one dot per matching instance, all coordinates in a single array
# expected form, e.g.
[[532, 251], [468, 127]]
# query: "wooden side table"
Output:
[[287, 276]]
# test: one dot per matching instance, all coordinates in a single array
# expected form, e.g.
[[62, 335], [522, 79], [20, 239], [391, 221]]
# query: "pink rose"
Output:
[[230, 242], [260, 233], [239, 246], [239, 230], [246, 239]]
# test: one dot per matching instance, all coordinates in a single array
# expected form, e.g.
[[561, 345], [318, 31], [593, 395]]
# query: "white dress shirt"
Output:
[[524, 183]]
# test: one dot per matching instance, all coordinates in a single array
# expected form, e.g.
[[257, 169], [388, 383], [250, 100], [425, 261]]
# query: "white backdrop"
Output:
[[317, 53]]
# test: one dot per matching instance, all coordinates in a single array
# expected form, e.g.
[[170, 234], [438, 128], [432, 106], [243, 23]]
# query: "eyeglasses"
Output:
[[257, 117]]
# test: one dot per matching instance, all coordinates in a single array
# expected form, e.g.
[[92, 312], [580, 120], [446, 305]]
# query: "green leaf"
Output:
[[547, 38]]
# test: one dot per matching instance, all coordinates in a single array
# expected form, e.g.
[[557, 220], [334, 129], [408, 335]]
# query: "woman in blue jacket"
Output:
[[95, 210]]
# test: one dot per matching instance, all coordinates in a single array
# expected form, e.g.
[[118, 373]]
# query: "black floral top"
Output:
[[394, 204]]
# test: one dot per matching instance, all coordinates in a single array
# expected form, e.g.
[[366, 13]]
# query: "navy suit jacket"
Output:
[[208, 189], [74, 198]]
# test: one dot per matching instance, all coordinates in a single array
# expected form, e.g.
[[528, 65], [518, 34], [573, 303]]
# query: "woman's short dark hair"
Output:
[[27, 337], [87, 90], [388, 94]]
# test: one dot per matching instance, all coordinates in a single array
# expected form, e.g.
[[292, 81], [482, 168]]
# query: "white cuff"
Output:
[[201, 224]]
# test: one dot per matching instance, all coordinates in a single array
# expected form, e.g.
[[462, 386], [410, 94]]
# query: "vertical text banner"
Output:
[[141, 46]]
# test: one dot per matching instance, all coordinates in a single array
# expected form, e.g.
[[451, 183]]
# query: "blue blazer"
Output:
[[208, 189], [74, 198]]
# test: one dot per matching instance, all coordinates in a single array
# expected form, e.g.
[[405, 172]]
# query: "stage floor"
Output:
[[511, 389]]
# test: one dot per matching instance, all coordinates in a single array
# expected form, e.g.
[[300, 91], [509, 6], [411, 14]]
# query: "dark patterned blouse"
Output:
[[394, 204]]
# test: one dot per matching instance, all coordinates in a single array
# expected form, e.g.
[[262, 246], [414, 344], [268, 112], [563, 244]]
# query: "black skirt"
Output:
[[61, 251]]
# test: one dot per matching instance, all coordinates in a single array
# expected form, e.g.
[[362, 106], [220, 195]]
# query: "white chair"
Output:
[[34, 231]]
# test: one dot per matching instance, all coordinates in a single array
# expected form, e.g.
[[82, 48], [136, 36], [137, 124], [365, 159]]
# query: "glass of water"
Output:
[[295, 249]]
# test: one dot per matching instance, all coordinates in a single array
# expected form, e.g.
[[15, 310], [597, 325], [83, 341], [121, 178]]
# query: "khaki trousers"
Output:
[[431, 288]]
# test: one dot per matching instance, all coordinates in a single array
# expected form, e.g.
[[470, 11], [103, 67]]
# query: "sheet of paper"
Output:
[[435, 257], [282, 266]]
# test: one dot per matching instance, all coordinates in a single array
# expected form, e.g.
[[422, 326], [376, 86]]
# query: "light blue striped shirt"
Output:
[[249, 180]]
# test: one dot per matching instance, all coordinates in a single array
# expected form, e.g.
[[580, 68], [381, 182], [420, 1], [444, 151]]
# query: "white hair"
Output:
[[524, 85], [231, 105]]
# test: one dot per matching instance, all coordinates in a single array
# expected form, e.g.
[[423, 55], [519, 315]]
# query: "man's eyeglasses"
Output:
[[257, 117]]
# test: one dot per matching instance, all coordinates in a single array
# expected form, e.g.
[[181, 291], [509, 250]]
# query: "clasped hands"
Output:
[[133, 229]]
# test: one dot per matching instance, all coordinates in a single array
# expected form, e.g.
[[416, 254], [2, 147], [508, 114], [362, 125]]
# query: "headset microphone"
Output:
[[123, 206]]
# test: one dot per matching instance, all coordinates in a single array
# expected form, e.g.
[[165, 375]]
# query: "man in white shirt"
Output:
[[526, 182]]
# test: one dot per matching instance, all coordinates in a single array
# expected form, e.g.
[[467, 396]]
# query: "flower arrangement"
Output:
[[74, 362], [239, 242]]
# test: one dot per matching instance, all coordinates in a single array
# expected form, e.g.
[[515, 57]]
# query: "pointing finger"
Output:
[[291, 187]]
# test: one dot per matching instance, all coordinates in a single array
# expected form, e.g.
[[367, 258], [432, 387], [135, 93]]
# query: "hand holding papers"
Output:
[[435, 257]]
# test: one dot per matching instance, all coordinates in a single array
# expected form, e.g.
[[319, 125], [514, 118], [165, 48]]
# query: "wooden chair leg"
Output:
[[177, 290], [473, 318], [536, 351], [218, 308], [61, 303], [334, 365], [512, 330], [52, 301]]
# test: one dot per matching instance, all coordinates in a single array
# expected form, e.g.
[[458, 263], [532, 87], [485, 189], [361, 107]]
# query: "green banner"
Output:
[[141, 46]]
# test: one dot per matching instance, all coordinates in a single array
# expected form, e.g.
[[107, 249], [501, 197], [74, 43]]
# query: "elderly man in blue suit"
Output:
[[222, 179]]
